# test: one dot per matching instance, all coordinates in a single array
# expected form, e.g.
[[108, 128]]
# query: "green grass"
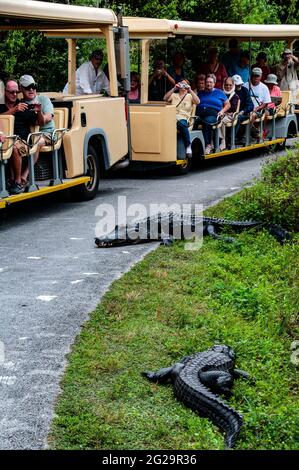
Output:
[[173, 303], [177, 302]]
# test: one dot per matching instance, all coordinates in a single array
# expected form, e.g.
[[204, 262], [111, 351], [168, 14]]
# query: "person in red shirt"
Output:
[[261, 60], [213, 66]]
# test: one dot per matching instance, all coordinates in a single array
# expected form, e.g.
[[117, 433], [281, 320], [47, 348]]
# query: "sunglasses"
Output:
[[12, 92], [29, 87]]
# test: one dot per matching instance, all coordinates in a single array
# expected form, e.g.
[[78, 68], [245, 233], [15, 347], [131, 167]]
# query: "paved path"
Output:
[[52, 277]]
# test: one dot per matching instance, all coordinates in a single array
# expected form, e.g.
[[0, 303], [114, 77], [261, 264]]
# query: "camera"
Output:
[[31, 106], [184, 86]]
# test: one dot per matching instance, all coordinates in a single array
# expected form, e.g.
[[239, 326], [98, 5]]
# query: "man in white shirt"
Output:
[[259, 93], [90, 78]]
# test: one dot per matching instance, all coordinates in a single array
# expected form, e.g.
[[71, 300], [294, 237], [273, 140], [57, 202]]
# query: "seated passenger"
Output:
[[31, 110], [274, 90], [213, 66], [271, 82], [134, 93], [160, 82], [90, 78], [183, 98], [261, 60], [246, 105], [176, 70], [242, 67], [213, 105], [199, 82], [233, 98], [259, 94]]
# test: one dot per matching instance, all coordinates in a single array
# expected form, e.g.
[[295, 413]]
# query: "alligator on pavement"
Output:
[[198, 379], [175, 226]]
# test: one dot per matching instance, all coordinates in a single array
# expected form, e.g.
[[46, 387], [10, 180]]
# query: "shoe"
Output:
[[222, 146], [254, 132], [16, 188], [189, 152], [208, 149]]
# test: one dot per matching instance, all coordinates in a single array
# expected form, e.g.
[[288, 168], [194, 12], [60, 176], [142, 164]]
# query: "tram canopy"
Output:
[[31, 14]]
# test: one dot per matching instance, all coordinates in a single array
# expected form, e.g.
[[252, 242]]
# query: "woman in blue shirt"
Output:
[[213, 105]]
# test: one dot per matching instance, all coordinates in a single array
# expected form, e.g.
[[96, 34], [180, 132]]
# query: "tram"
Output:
[[86, 141]]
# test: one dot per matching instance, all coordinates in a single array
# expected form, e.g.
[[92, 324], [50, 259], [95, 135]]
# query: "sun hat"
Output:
[[26, 80], [287, 51], [237, 79], [256, 71], [271, 78]]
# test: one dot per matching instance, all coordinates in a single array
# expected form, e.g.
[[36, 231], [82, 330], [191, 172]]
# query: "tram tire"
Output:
[[280, 147], [184, 169], [86, 192]]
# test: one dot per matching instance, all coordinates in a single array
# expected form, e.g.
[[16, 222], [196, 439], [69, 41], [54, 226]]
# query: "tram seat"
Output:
[[192, 118], [7, 123], [285, 107], [60, 120], [230, 123]]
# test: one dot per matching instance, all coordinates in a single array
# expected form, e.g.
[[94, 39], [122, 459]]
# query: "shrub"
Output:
[[274, 198]]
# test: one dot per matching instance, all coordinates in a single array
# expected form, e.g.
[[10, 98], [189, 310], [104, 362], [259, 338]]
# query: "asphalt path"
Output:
[[52, 277]]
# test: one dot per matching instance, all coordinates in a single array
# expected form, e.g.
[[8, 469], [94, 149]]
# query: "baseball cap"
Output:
[[26, 80], [271, 78], [287, 51], [256, 71], [237, 79]]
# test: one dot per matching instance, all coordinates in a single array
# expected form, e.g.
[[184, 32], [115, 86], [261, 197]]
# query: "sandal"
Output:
[[208, 149]]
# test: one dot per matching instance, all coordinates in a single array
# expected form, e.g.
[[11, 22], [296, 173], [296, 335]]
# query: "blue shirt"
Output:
[[214, 99], [230, 61], [177, 78], [244, 72]]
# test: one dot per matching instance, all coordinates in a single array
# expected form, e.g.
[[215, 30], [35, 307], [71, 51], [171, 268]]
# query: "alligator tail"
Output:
[[207, 404]]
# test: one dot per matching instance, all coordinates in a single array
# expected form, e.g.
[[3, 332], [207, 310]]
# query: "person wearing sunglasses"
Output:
[[23, 120], [31, 110]]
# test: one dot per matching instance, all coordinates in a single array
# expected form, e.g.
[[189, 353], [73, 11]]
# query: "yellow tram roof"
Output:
[[30, 14], [150, 28], [143, 27]]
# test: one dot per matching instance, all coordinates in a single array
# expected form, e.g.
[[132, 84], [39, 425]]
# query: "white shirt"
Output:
[[259, 94], [88, 81]]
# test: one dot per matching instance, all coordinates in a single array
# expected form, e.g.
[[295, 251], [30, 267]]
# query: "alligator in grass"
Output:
[[171, 226], [197, 380]]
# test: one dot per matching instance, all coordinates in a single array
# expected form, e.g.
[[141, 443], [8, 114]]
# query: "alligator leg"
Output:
[[161, 376], [237, 374], [217, 381], [210, 230]]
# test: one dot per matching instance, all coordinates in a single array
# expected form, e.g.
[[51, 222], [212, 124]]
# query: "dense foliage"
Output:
[[19, 50], [274, 198]]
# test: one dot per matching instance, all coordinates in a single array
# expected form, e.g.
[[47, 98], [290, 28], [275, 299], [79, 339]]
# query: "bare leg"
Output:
[[25, 173], [16, 165]]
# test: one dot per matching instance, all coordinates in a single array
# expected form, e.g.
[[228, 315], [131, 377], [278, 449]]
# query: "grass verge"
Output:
[[174, 303]]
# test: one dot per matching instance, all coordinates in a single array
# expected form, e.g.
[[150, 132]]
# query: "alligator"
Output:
[[166, 227], [197, 381]]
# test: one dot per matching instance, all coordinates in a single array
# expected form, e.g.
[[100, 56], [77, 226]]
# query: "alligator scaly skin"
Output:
[[198, 379], [171, 226]]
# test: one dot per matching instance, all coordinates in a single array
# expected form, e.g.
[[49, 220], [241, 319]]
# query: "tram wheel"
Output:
[[87, 191], [185, 168]]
